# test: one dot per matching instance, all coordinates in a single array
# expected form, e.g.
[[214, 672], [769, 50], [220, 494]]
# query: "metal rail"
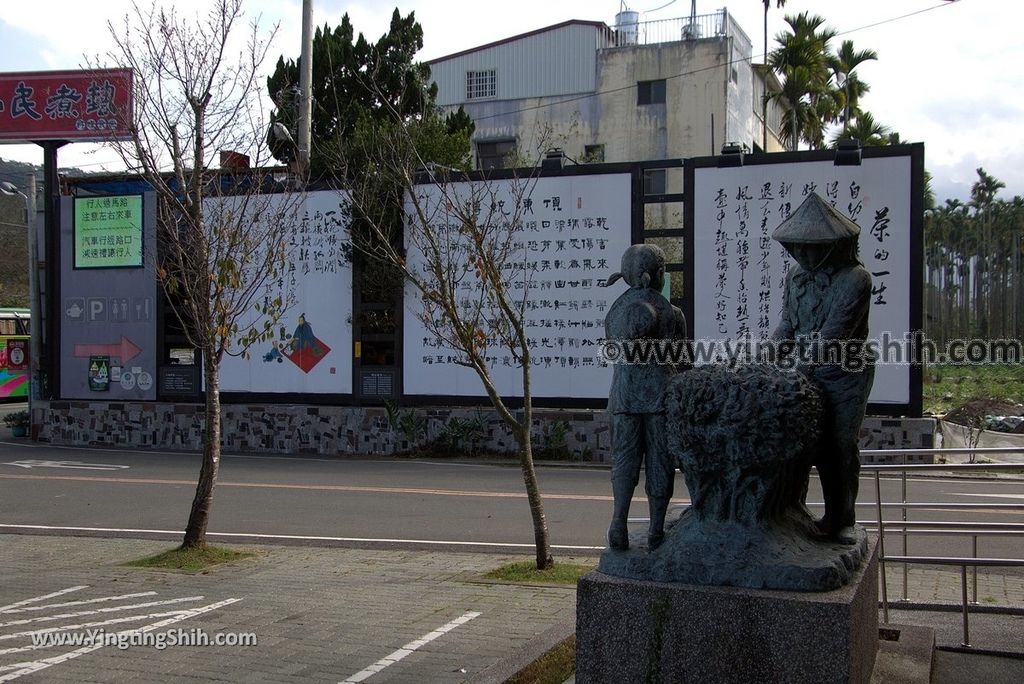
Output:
[[966, 451], [906, 527]]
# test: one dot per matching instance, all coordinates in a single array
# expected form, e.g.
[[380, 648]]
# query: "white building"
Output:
[[638, 91]]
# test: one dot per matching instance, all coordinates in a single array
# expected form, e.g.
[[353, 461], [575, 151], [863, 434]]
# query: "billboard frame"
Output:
[[915, 152]]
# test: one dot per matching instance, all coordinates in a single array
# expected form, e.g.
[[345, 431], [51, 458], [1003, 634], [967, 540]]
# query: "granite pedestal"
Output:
[[637, 631]]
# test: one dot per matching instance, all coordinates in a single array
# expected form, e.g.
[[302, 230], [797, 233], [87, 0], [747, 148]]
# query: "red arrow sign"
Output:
[[124, 350]]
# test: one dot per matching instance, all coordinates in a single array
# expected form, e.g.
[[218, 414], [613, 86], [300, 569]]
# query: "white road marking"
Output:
[[408, 649], [36, 666], [75, 465], [47, 606], [90, 625], [98, 611], [36, 599], [267, 457], [299, 537], [996, 496]]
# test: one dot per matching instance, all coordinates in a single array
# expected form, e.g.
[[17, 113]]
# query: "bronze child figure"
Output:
[[636, 397]]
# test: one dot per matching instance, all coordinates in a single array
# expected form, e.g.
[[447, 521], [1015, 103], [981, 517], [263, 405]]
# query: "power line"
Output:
[[577, 98]]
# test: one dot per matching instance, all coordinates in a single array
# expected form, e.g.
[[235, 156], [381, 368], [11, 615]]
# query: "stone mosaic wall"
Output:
[[581, 435], [898, 433], [322, 430]]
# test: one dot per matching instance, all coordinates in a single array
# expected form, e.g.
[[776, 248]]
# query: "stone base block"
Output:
[[633, 631]]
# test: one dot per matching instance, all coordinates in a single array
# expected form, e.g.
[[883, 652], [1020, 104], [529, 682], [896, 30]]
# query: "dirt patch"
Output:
[[973, 412]]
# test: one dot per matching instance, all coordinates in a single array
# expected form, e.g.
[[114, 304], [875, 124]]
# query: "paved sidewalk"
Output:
[[320, 614], [932, 585], [330, 614]]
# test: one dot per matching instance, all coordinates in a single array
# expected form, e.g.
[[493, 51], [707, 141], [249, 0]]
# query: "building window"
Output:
[[480, 84], [593, 154], [495, 154], [650, 92], [654, 182]]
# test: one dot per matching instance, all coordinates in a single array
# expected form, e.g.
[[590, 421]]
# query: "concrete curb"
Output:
[[542, 643], [942, 607]]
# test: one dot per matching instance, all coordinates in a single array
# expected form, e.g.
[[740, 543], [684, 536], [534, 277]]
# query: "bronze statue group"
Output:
[[827, 299]]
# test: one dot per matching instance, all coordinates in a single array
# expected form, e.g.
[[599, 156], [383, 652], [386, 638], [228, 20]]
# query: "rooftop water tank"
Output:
[[692, 31], [627, 27]]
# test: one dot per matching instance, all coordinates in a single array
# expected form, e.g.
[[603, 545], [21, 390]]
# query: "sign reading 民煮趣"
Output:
[[89, 105], [108, 232]]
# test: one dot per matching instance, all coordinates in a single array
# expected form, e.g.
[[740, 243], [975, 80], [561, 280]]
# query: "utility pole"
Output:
[[764, 93], [305, 89]]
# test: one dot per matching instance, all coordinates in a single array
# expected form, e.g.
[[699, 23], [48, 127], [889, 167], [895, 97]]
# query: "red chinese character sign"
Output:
[[82, 106]]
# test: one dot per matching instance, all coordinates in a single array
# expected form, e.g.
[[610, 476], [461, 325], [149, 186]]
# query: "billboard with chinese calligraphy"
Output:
[[108, 232], [570, 232], [738, 272], [82, 106], [311, 347]]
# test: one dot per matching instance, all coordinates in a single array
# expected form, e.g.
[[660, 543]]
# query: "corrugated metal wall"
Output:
[[557, 62]]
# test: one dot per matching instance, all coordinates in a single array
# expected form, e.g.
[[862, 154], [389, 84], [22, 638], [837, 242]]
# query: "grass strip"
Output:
[[554, 667], [526, 572], [190, 560]]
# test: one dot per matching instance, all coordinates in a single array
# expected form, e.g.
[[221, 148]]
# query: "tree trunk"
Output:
[[199, 517], [1018, 330], [540, 523]]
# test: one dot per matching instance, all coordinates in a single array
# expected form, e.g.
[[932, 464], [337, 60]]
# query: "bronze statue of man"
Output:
[[636, 397], [825, 314]]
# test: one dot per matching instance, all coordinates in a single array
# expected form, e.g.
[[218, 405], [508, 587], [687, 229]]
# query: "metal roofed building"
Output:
[[637, 91]]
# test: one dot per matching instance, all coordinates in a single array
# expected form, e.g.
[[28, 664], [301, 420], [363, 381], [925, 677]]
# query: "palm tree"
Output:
[[945, 228], [983, 197], [799, 115], [869, 132], [960, 241], [802, 59], [843, 63]]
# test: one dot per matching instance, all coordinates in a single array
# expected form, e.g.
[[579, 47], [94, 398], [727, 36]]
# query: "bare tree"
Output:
[[455, 234], [222, 237]]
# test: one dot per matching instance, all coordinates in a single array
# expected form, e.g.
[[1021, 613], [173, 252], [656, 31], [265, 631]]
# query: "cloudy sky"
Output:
[[949, 74]]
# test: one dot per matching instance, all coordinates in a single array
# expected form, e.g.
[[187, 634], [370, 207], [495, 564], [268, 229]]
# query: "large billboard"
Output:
[[738, 272], [91, 105], [310, 350], [568, 237]]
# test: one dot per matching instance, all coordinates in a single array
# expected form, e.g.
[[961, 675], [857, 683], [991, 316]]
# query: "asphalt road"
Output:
[[389, 502]]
